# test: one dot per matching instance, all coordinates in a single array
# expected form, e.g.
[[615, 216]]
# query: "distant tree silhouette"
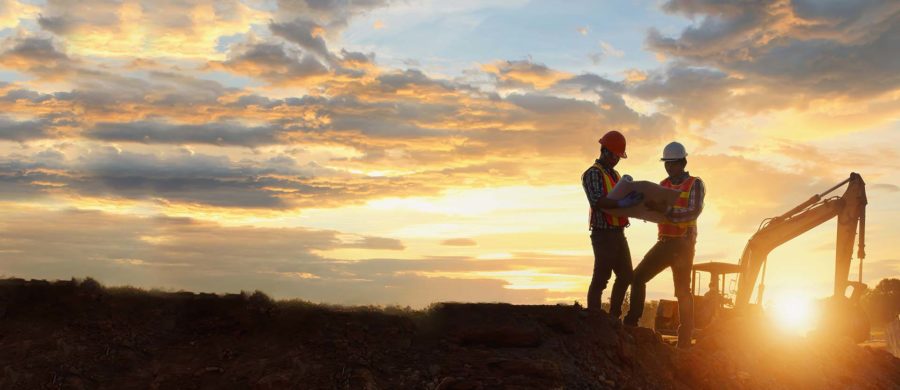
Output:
[[882, 303]]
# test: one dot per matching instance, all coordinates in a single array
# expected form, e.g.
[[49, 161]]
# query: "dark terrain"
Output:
[[78, 334]]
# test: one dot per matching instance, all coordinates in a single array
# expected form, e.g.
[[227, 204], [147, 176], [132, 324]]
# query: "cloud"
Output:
[[200, 179], [459, 242], [691, 93], [422, 134], [411, 78], [356, 59], [183, 253], [822, 65], [884, 187], [876, 270], [25, 130], [523, 74], [28, 180], [610, 50], [272, 62], [304, 27], [743, 205], [179, 178], [105, 93], [606, 50], [591, 82], [192, 179], [377, 243], [35, 55], [221, 133], [389, 118], [305, 34], [334, 15], [800, 47], [194, 28], [809, 158], [12, 12], [101, 96], [189, 28]]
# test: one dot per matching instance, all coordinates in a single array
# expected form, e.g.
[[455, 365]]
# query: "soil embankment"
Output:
[[71, 334]]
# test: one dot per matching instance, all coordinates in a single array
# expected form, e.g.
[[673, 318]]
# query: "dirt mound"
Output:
[[73, 334]]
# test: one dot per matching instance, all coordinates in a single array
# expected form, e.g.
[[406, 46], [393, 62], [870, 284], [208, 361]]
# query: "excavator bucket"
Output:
[[843, 316]]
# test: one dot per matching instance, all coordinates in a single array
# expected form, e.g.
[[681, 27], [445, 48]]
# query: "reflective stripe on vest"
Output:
[[608, 183], [678, 229]]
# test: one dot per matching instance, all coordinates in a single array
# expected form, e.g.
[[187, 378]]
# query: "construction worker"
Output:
[[611, 253], [675, 245]]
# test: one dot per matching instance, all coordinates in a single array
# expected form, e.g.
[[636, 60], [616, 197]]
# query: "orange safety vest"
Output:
[[678, 229], [608, 183]]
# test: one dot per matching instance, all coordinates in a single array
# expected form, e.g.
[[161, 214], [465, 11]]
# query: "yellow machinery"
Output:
[[708, 306], [841, 312]]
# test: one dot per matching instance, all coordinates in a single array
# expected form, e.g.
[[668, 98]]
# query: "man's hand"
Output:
[[654, 206], [629, 200]]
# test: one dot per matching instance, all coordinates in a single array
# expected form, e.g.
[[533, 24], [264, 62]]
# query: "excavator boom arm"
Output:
[[849, 209]]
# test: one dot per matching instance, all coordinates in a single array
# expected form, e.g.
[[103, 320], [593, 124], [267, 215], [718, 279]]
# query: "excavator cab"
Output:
[[713, 303]]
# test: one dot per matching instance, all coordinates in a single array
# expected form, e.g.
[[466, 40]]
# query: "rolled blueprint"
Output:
[[652, 192]]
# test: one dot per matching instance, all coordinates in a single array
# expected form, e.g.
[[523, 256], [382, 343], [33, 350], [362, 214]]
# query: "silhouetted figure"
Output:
[[675, 245], [611, 253]]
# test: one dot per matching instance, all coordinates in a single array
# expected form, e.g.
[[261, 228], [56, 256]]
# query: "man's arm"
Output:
[[596, 195], [606, 203], [695, 204]]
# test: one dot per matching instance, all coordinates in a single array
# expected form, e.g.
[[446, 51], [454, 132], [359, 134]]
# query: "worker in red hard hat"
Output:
[[611, 253], [675, 245]]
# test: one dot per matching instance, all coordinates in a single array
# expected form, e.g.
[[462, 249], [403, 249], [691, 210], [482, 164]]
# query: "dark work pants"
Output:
[[677, 253], [611, 254]]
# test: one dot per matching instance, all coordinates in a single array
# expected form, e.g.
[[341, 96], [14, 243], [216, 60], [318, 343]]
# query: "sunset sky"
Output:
[[412, 151]]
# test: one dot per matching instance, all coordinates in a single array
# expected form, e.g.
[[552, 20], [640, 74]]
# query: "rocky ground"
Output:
[[77, 334]]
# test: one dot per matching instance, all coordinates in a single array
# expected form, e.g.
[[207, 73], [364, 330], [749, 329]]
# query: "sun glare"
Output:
[[794, 314]]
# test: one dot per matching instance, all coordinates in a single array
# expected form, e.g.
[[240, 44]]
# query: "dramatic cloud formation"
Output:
[[793, 51], [159, 28], [291, 146]]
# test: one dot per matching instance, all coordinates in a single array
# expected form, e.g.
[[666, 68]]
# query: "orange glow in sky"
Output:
[[387, 152]]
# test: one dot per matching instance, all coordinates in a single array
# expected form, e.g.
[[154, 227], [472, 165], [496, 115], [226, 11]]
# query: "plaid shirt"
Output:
[[695, 205], [592, 181]]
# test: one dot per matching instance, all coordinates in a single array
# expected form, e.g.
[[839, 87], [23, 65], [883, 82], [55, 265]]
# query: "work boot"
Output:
[[684, 339], [615, 322]]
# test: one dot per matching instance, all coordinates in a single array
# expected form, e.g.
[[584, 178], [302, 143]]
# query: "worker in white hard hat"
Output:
[[675, 245]]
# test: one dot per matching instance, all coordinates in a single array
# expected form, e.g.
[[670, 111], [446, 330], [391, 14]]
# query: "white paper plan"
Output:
[[652, 192]]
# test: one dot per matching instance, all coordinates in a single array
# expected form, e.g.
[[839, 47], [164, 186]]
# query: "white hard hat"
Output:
[[674, 151]]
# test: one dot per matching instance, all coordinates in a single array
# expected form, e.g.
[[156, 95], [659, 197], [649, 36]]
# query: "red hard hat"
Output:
[[615, 142]]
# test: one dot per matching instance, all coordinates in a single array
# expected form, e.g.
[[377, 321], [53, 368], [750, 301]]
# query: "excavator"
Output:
[[841, 313]]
